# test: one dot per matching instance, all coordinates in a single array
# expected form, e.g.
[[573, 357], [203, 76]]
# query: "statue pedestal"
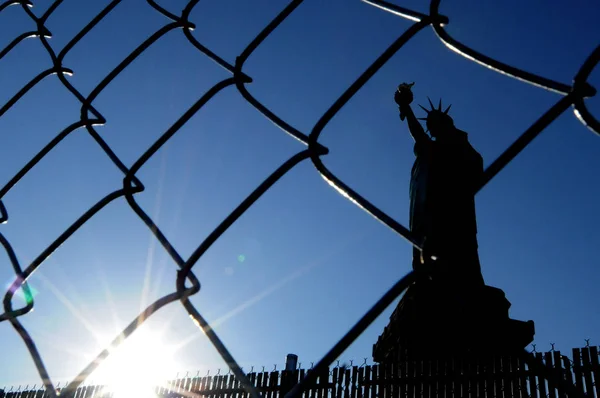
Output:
[[434, 319]]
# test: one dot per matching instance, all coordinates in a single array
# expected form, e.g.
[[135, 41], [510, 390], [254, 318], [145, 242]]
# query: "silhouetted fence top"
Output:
[[498, 376]]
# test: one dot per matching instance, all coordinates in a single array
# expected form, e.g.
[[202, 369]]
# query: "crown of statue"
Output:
[[434, 114]]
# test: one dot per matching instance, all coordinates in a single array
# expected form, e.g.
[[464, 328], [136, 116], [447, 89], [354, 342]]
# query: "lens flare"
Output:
[[138, 366]]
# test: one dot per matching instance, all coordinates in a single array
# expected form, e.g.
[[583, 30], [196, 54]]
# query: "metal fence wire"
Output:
[[187, 284]]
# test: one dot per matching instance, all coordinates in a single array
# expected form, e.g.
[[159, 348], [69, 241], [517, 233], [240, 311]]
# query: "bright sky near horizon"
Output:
[[304, 263]]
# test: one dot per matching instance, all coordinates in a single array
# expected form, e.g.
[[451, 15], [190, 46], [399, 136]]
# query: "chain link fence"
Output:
[[574, 96]]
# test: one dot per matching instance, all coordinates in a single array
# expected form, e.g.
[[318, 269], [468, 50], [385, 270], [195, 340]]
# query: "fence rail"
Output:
[[475, 376], [90, 117]]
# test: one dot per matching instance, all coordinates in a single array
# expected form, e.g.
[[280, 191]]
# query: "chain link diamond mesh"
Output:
[[574, 96]]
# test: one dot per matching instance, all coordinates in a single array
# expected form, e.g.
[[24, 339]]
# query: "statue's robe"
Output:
[[444, 179]]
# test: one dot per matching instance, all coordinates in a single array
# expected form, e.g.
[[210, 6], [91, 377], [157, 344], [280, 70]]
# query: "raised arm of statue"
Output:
[[403, 98]]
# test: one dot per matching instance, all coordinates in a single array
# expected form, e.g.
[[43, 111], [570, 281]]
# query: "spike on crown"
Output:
[[433, 111]]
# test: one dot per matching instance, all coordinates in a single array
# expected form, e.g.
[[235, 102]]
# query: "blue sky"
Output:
[[313, 262]]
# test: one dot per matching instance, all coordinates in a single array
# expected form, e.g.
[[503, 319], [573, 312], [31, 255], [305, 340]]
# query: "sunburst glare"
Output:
[[138, 366]]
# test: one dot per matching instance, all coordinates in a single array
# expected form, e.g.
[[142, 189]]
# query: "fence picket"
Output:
[[425, 377], [550, 380], [473, 375], [516, 372], [274, 383], [228, 385], [302, 375], [335, 382], [401, 372], [211, 387], [595, 368], [345, 382], [384, 381], [462, 367], [177, 386], [89, 392], [541, 379], [360, 382], [392, 383], [265, 384], [445, 385], [216, 385], [410, 378], [94, 392], [559, 372], [241, 393], [567, 370], [187, 386], [191, 384], [578, 371], [533, 383], [587, 371], [224, 385], [498, 374], [440, 374], [367, 382], [506, 379], [374, 380], [477, 370], [442, 377], [205, 385], [353, 382], [318, 390], [259, 382]]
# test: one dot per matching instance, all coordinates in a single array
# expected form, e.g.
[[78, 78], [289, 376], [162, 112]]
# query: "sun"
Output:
[[139, 365]]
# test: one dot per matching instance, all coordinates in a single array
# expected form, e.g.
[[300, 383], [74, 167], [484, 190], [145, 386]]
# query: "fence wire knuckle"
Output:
[[574, 95]]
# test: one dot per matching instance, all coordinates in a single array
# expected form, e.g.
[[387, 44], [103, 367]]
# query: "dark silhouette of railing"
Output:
[[574, 96], [475, 376]]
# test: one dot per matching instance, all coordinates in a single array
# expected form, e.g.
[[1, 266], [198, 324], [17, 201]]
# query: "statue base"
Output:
[[434, 319]]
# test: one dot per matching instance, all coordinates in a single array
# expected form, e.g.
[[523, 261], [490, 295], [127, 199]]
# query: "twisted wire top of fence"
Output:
[[574, 95]]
